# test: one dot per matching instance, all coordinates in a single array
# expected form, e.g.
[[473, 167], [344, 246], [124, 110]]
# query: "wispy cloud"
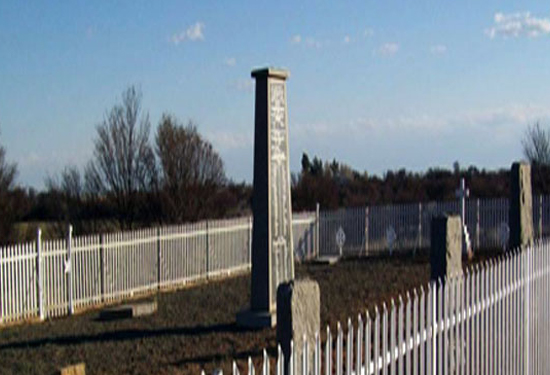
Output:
[[193, 33], [518, 24], [387, 49], [347, 39], [493, 118], [230, 61], [309, 41], [313, 43], [438, 49], [368, 32], [224, 140], [296, 39], [243, 85]]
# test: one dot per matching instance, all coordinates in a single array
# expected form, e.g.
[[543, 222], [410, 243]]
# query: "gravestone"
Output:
[[298, 316], [521, 206], [446, 248], [272, 248]]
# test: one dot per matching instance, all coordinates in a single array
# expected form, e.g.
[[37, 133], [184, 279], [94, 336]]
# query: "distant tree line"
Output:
[[335, 185], [176, 177]]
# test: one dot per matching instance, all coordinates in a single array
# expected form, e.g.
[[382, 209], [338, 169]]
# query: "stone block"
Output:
[[521, 206], [298, 314], [132, 310], [78, 369], [446, 246]]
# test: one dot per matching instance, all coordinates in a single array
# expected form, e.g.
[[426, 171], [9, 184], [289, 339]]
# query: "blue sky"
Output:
[[376, 84]]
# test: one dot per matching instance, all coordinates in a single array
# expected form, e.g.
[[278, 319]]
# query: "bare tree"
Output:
[[191, 170], [123, 165], [68, 189], [8, 171], [536, 145]]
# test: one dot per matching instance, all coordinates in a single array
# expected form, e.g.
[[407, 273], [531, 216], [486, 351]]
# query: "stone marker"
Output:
[[78, 369], [132, 310], [446, 249], [298, 314], [521, 206], [272, 249]]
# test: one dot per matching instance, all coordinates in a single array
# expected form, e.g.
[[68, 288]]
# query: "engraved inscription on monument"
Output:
[[280, 223]]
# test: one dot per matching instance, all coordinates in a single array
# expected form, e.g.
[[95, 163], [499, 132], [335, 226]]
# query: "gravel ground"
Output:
[[194, 328]]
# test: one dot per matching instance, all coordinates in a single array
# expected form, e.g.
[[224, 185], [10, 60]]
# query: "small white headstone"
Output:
[[391, 237], [340, 239], [504, 234]]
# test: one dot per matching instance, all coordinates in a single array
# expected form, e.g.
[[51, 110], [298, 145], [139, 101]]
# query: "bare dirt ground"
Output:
[[195, 328]]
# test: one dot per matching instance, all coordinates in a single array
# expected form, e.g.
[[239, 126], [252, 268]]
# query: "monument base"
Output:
[[256, 319]]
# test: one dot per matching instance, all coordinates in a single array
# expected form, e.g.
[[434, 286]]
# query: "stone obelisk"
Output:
[[272, 248]]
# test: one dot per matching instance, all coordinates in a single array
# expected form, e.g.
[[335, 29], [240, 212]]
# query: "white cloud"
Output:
[[223, 140], [244, 85], [313, 43], [387, 49], [296, 39], [193, 33], [519, 24], [438, 49], [347, 39], [308, 42], [230, 61], [368, 32], [493, 119]]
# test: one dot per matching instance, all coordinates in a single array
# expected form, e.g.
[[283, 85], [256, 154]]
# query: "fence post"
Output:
[[102, 265], [525, 252], [69, 269], [478, 226], [249, 239], [367, 218], [540, 216], [39, 274], [419, 225], [207, 251], [317, 228], [159, 259], [435, 325]]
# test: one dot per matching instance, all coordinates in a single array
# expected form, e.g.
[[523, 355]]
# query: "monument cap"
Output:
[[271, 72]]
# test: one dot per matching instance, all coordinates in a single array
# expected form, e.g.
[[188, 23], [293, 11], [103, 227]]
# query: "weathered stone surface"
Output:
[[132, 310], [521, 206], [78, 369], [272, 248], [298, 314], [446, 248]]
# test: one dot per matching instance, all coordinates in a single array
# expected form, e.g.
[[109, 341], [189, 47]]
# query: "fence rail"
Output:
[[494, 319], [57, 277], [53, 278]]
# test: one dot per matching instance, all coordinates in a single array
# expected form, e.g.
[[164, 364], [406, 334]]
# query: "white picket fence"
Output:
[[55, 278], [494, 319], [375, 229]]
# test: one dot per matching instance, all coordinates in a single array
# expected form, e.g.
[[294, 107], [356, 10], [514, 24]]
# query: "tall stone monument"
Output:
[[521, 206], [272, 248]]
